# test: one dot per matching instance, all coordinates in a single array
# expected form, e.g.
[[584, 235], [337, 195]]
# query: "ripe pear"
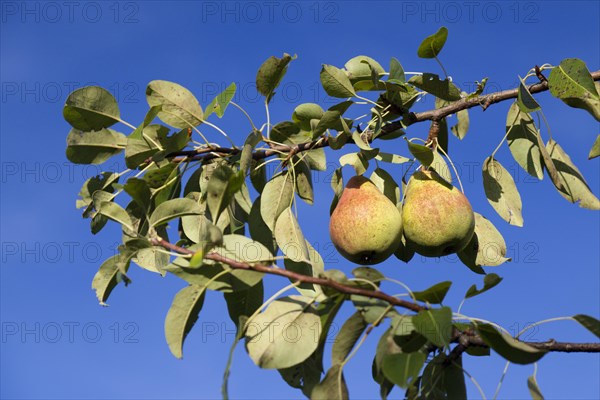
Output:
[[437, 217], [365, 227]]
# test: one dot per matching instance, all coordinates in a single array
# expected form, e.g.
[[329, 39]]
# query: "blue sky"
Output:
[[57, 342]]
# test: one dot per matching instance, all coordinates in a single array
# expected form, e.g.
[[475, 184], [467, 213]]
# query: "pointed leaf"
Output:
[[107, 277], [525, 100], [486, 247], [431, 83], [435, 294], [422, 153], [462, 126], [508, 347], [222, 186], [347, 337], [271, 73], [259, 231], [432, 45], [182, 316], [435, 325], [589, 323], [336, 83], [386, 184], [289, 237], [279, 337], [571, 82], [180, 108], [94, 147], [574, 187], [117, 213], [276, 197], [174, 209], [396, 71], [403, 368], [501, 192], [595, 150], [523, 141], [243, 303], [304, 184], [489, 281], [91, 108], [357, 160], [219, 104]]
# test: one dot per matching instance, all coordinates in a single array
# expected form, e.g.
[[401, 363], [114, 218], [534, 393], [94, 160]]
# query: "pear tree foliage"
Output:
[[223, 217]]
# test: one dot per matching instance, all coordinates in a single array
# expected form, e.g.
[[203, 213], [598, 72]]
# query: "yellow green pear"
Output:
[[365, 227], [437, 217]]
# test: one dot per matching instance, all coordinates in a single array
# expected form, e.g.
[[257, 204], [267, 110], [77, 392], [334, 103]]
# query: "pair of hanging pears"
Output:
[[436, 219]]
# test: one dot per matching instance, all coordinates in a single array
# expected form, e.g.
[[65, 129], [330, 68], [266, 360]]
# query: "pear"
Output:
[[437, 217], [365, 227]]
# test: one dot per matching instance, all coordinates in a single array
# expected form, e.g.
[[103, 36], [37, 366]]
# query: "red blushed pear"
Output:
[[365, 227], [437, 217]]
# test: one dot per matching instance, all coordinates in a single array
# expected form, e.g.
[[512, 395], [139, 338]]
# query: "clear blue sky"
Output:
[[57, 342]]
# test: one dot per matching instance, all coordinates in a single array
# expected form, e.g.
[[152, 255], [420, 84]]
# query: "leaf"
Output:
[[243, 303], [486, 247], [306, 112], [304, 185], [422, 153], [356, 160], [431, 83], [435, 325], [174, 208], [103, 182], [276, 197], [595, 150], [219, 104], [139, 191], [332, 387], [462, 126], [589, 323], [180, 108], [391, 158], [335, 82], [525, 100], [403, 368], [435, 294], [386, 184], [94, 147], [252, 140], [182, 316], [501, 192], [289, 237], [432, 45], [359, 68], [396, 71], [280, 336], [259, 231], [313, 266], [117, 213], [222, 186], [523, 141], [489, 281], [454, 380], [534, 389], [508, 347], [571, 82], [271, 73], [347, 337], [574, 187], [369, 274], [91, 108], [107, 277]]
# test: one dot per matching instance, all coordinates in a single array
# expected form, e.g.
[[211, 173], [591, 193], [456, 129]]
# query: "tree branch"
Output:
[[431, 115], [464, 339]]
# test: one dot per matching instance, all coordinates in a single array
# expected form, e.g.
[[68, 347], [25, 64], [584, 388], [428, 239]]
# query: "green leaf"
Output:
[[180, 108], [304, 185], [117, 213], [347, 337], [432, 45], [222, 186], [454, 380], [489, 281], [152, 140], [431, 83], [509, 348], [276, 197], [243, 303], [462, 126], [391, 158], [574, 187], [107, 277], [486, 247], [396, 71], [313, 266], [571, 82], [337, 184], [289, 237], [271, 73], [534, 389], [523, 141], [525, 100], [94, 147], [252, 140], [174, 208], [139, 191], [306, 112], [259, 230], [336, 83], [152, 259], [435, 294], [589, 323], [595, 150], [403, 368], [280, 336], [422, 153], [219, 104], [91, 108], [103, 182], [369, 274], [371, 309], [332, 387], [386, 184], [182, 316], [358, 68], [356, 160], [501, 192], [435, 325]]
